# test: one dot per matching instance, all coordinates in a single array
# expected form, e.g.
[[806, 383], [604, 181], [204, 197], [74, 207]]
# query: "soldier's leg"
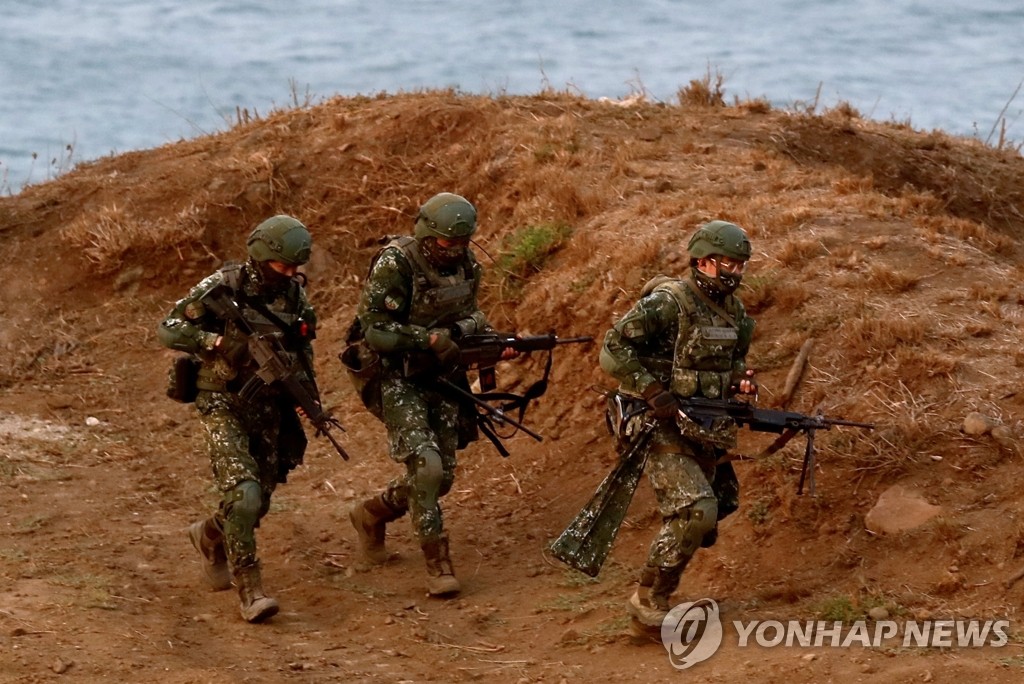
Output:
[[433, 538], [245, 499], [727, 492], [689, 510]]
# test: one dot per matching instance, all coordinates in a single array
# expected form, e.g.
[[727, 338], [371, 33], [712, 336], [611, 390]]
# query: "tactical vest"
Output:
[[437, 300], [219, 375], [706, 343]]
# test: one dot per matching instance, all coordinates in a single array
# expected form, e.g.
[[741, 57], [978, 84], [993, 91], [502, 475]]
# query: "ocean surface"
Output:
[[80, 80]]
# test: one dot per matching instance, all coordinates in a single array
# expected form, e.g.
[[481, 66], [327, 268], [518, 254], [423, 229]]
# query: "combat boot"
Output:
[[255, 605], [440, 574], [208, 539], [370, 519], [649, 604]]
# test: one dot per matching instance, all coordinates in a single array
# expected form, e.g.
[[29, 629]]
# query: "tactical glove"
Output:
[[446, 351], [234, 348], [662, 403]]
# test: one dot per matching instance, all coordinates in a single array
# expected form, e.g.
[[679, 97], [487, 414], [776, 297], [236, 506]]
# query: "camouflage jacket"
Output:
[[191, 328]]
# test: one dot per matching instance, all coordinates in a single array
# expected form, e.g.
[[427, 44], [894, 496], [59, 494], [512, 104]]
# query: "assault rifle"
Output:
[[588, 538], [787, 424], [272, 369], [482, 351]]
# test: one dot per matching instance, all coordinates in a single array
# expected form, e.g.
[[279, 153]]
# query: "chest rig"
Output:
[[705, 344], [279, 317], [436, 299]]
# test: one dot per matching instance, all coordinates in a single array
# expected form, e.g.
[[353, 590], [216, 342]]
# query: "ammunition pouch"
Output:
[[181, 379], [363, 366]]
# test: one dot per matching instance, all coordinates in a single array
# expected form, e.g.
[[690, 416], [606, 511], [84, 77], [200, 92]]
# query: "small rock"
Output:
[[61, 666], [809, 657], [92, 421], [568, 636], [878, 613], [899, 509], [389, 620], [977, 424]]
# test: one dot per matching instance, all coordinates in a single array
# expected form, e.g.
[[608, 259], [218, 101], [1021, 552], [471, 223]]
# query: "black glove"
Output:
[[234, 348], [446, 351], [662, 403]]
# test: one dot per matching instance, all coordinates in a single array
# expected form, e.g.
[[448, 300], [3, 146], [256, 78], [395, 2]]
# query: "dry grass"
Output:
[[871, 337], [706, 91], [107, 235], [886, 278]]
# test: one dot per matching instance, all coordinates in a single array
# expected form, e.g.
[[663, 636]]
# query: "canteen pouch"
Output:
[[364, 370], [181, 379]]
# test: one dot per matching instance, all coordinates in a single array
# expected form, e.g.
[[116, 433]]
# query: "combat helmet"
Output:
[[721, 238], [280, 238], [446, 215]]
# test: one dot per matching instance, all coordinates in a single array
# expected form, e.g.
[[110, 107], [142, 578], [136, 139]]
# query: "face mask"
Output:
[[269, 280], [442, 257], [717, 288]]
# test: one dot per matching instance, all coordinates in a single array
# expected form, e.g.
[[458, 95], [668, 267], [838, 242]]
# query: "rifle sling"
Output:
[[710, 304], [780, 441]]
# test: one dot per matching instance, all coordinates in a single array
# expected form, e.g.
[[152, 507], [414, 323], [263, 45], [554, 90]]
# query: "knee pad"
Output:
[[693, 522], [428, 477], [244, 504]]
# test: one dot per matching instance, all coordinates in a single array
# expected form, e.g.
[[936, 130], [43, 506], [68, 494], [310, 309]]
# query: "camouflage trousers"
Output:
[[693, 494], [419, 419], [252, 446]]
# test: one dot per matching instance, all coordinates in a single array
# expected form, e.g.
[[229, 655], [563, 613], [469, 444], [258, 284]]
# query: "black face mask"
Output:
[[717, 288], [267, 279], [442, 257]]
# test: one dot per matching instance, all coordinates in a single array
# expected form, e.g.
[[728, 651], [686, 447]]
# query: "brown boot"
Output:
[[440, 574], [649, 604], [208, 539], [370, 519], [255, 605]]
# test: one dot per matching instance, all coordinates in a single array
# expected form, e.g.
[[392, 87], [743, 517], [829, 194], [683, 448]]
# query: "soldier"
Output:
[[255, 440], [685, 338], [420, 294]]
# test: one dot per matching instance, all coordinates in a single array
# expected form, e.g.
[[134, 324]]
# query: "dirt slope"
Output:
[[894, 250]]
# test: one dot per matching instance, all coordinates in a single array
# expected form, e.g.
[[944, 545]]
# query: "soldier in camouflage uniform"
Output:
[[419, 296], [685, 338], [253, 442]]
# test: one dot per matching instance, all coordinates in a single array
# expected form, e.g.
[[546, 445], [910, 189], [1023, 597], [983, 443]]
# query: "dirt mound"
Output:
[[892, 251]]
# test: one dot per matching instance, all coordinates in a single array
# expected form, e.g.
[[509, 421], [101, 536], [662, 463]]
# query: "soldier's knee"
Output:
[[429, 475], [244, 503], [693, 522]]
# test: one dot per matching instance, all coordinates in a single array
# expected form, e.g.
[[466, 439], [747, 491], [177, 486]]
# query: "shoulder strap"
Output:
[[675, 288], [711, 305], [231, 272]]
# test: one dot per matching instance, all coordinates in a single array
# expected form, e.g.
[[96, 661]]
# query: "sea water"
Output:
[[80, 80]]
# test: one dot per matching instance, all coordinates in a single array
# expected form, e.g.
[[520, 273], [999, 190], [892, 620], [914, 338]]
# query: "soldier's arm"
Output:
[[646, 322], [190, 327], [384, 304]]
